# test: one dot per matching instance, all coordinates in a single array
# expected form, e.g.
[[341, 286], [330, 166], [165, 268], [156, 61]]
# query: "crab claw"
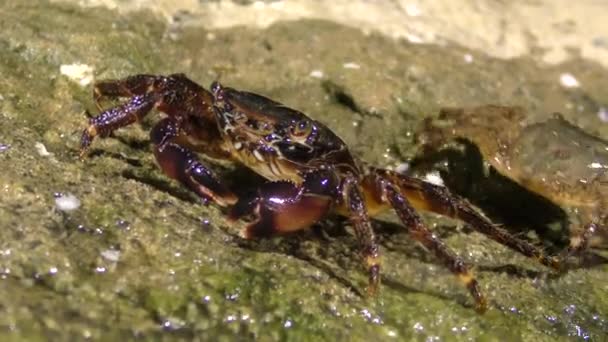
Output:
[[279, 208]]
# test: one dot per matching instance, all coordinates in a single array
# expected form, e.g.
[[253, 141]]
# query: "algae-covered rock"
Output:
[[141, 257]]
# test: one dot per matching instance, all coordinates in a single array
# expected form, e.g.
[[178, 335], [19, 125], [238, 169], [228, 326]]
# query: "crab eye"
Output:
[[301, 129], [265, 128]]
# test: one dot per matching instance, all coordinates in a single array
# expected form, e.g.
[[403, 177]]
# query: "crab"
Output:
[[310, 172], [552, 158]]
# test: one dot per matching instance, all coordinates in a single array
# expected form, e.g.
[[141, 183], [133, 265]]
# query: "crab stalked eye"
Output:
[[301, 129], [264, 128]]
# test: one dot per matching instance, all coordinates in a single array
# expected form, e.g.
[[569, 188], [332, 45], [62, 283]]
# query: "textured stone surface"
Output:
[[141, 257]]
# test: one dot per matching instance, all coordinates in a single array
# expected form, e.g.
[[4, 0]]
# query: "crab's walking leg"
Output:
[[422, 234], [282, 207], [364, 232], [174, 94], [130, 86], [182, 165], [438, 199], [108, 121], [139, 87]]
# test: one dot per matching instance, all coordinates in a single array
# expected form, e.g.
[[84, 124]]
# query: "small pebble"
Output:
[[351, 65], [568, 80], [79, 73], [41, 149], [67, 202], [111, 255], [316, 74]]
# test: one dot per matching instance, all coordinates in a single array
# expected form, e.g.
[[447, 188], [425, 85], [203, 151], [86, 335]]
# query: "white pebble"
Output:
[[413, 38], [316, 74], [351, 65], [111, 255], [568, 80], [80, 73], [67, 202], [41, 149]]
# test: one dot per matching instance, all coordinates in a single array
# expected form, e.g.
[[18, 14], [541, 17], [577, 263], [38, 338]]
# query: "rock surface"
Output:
[[141, 257]]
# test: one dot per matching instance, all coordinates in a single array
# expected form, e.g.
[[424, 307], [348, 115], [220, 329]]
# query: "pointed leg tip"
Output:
[[373, 286], [244, 234], [481, 305], [557, 265], [372, 291]]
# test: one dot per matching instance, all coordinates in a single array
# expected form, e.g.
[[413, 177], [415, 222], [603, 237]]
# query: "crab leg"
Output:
[[422, 234], [108, 121], [130, 86], [364, 232], [438, 199], [181, 164], [175, 95]]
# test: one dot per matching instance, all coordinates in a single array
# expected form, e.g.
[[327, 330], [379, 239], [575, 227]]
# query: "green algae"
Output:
[[141, 258]]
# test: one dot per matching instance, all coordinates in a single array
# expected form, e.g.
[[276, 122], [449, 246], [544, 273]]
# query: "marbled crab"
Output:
[[309, 170]]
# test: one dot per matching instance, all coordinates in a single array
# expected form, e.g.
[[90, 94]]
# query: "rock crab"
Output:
[[309, 170]]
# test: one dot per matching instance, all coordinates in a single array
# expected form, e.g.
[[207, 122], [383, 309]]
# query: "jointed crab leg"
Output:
[[427, 196], [364, 232], [143, 99], [108, 121], [130, 86], [181, 164], [422, 234], [175, 95]]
